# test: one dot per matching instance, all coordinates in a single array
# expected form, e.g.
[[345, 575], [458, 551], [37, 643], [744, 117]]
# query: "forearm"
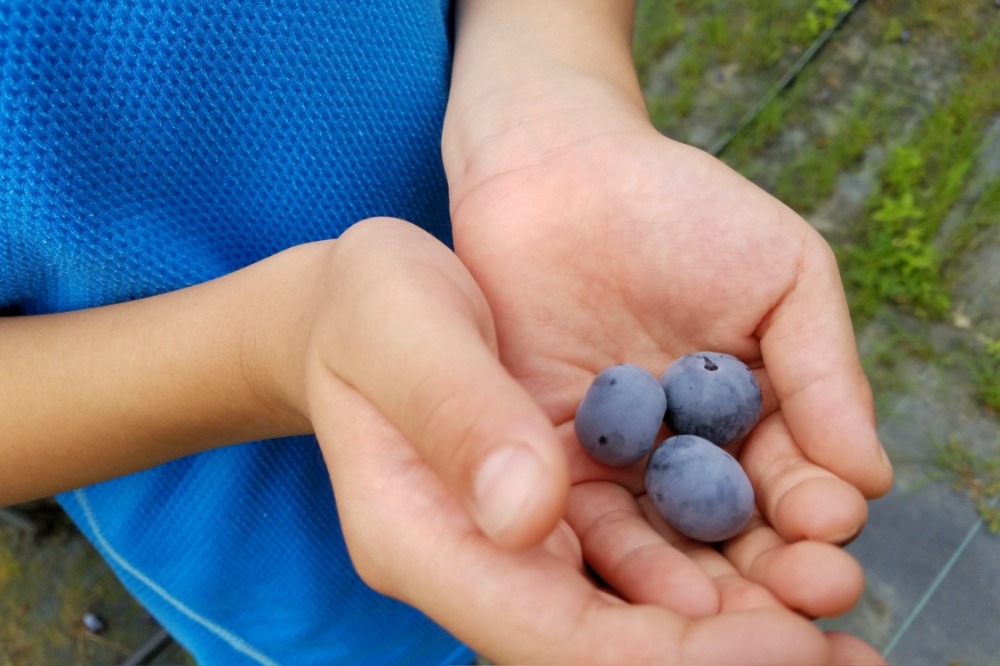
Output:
[[93, 394], [525, 70]]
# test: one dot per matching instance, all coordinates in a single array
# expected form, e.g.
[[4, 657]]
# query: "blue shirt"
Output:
[[152, 144]]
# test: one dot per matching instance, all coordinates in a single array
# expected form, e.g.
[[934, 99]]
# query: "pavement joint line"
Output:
[[786, 79], [945, 570]]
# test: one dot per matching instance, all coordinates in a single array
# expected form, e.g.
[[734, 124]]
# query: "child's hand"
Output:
[[408, 400], [628, 247], [398, 323], [597, 241]]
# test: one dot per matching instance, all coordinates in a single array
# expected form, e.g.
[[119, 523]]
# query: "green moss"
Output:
[[755, 34], [743, 152], [895, 259], [945, 18], [658, 26], [893, 31], [987, 374], [897, 340], [772, 30], [897, 262], [45, 588], [717, 35], [818, 18], [982, 216], [973, 473], [812, 174]]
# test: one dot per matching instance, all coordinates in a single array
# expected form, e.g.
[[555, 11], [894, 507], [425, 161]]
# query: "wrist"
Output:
[[94, 394], [532, 78], [278, 324]]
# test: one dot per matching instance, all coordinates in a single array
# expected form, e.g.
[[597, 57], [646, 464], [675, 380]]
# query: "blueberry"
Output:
[[699, 488], [620, 416], [712, 395]]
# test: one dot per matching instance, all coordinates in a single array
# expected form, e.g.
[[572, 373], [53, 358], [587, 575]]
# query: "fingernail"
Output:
[[504, 486], [845, 537], [885, 457]]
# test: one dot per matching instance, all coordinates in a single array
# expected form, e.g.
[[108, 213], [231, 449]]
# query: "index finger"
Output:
[[809, 350]]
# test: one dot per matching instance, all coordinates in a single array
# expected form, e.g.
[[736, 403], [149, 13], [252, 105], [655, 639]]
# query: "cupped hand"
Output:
[[411, 407], [620, 245]]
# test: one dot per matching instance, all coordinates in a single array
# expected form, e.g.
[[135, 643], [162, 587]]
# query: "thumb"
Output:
[[412, 333], [811, 358]]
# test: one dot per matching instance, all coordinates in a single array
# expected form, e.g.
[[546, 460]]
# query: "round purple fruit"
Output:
[[711, 395], [620, 416], [699, 488]]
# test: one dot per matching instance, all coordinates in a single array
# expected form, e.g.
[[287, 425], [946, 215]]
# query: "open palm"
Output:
[[609, 249], [633, 248]]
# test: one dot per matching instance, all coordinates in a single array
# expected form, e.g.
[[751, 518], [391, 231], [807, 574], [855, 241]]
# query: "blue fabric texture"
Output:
[[153, 144]]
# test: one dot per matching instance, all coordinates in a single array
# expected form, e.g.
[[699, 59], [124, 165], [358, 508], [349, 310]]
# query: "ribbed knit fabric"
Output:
[[153, 144]]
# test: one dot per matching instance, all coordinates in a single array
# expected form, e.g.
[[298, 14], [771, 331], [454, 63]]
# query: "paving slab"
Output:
[[919, 561], [932, 596], [957, 621]]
